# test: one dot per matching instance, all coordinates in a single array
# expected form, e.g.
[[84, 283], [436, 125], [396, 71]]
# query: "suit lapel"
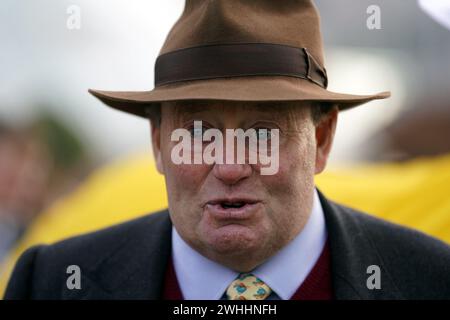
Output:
[[352, 252], [136, 267]]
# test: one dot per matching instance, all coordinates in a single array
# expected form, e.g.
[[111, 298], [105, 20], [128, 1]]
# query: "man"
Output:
[[21, 196], [231, 231]]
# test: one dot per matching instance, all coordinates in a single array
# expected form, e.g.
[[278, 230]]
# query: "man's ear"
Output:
[[325, 130], [156, 145]]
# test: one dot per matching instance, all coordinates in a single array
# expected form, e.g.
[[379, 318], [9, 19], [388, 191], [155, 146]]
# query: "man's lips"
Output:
[[232, 209]]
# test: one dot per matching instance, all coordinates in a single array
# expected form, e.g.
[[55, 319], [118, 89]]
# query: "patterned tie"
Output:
[[248, 287]]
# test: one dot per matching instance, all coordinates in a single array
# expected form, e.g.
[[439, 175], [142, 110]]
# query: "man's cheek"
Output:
[[285, 169], [187, 175]]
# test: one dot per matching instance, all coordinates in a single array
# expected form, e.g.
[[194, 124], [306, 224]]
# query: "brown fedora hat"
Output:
[[240, 50]]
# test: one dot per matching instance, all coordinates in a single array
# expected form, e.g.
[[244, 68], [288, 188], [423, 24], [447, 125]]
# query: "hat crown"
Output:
[[240, 50], [288, 22]]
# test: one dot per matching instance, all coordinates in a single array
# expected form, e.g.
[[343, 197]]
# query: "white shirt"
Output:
[[200, 278]]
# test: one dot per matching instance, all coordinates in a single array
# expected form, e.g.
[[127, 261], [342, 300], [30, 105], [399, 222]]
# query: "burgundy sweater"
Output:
[[317, 285]]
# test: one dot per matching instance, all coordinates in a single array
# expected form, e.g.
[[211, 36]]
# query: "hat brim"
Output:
[[256, 89]]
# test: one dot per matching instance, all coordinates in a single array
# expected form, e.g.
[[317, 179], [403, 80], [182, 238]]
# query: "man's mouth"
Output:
[[228, 205], [234, 209]]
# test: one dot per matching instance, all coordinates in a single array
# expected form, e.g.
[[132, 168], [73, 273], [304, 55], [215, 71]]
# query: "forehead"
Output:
[[274, 109]]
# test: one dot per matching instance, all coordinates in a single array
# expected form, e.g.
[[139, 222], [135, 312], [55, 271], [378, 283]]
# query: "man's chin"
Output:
[[233, 239]]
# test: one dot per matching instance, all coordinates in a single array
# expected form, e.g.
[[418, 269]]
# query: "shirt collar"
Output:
[[203, 279]]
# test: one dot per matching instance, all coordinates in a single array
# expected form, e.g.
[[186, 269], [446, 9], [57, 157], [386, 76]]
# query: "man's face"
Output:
[[231, 213]]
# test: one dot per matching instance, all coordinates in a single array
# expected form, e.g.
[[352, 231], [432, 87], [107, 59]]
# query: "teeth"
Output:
[[227, 205]]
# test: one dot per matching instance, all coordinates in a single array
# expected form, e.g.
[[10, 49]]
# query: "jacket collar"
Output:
[[135, 266], [352, 252]]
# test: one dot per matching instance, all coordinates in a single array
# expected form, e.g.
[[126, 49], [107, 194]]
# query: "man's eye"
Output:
[[263, 133], [197, 133]]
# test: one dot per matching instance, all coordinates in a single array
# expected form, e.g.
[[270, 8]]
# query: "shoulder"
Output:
[[40, 269], [418, 263], [390, 236], [110, 237], [94, 245]]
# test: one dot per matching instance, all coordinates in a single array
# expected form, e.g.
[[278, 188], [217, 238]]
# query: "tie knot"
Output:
[[248, 287]]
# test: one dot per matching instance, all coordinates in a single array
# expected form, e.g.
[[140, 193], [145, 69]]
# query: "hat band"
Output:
[[238, 60]]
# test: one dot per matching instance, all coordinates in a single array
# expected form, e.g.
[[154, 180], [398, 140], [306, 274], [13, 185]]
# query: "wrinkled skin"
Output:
[[281, 203]]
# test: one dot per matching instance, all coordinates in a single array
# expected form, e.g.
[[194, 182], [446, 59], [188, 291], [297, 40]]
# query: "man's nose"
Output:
[[231, 174]]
